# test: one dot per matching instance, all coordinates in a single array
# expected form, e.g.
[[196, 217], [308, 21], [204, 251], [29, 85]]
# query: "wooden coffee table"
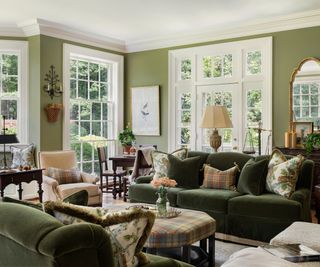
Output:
[[181, 232]]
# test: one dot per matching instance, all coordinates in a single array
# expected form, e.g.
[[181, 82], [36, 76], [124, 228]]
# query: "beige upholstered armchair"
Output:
[[66, 160]]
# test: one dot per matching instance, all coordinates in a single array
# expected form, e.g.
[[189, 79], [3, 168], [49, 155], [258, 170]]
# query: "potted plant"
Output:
[[126, 138], [312, 142]]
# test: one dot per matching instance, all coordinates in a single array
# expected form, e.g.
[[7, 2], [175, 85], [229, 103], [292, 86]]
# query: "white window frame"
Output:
[[21, 49], [238, 50], [117, 81]]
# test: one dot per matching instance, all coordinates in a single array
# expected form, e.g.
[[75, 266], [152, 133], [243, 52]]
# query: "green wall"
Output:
[[143, 69], [151, 68], [52, 54], [289, 48]]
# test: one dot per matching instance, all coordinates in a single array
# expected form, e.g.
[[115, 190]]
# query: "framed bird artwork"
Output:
[[145, 110]]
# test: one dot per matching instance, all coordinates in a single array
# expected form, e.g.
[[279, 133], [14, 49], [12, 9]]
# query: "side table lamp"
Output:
[[215, 117], [6, 139]]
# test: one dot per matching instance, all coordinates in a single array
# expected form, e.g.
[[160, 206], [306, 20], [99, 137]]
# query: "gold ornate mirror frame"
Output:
[[293, 76]]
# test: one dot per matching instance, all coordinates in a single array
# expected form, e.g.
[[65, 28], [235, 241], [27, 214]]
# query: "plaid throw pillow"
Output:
[[64, 176], [216, 179]]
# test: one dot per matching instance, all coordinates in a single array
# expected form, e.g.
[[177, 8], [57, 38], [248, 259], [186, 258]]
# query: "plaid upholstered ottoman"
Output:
[[182, 231], [189, 227]]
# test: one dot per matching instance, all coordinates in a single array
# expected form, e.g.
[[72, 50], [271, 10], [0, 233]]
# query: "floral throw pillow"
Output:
[[217, 179], [128, 229], [64, 176], [283, 174], [22, 156], [160, 161]]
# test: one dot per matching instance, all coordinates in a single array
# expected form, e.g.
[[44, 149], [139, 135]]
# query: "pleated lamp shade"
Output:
[[216, 117]]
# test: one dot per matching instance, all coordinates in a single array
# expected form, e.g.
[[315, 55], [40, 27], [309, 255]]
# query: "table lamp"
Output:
[[215, 117], [6, 139]]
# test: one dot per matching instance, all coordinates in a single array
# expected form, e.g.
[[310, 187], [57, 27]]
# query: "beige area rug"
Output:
[[224, 250]]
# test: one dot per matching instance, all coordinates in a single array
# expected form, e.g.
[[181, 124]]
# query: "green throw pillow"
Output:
[[160, 161], [185, 172], [252, 178], [78, 198]]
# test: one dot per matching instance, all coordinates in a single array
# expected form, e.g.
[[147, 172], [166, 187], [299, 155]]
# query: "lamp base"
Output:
[[215, 140]]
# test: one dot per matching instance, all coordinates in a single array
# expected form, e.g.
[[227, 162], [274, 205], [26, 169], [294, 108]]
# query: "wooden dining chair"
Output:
[[113, 185], [140, 168]]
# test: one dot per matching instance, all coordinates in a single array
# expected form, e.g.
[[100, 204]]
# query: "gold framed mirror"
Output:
[[304, 93]]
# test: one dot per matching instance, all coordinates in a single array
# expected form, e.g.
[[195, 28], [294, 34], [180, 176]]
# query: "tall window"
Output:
[[13, 87], [93, 110], [236, 75]]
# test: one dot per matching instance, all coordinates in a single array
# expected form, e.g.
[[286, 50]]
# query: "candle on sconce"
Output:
[[48, 87]]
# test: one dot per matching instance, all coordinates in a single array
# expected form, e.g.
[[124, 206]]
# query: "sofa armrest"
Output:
[[89, 178], [49, 186], [78, 237], [143, 179], [49, 181], [301, 195]]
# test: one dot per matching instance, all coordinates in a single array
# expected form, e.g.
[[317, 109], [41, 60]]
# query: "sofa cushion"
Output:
[[128, 230], [206, 199], [160, 161], [266, 205], [185, 172], [65, 190], [217, 179], [64, 176], [146, 193], [252, 178], [203, 159], [282, 173], [226, 160]]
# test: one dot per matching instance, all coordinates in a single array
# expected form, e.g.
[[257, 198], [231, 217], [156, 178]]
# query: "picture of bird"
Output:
[[144, 111]]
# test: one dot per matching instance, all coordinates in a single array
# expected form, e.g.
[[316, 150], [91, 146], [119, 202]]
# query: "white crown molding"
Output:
[[41, 26], [11, 31], [283, 23], [276, 24]]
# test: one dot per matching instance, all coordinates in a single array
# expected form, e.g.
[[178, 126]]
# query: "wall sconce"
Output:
[[53, 86]]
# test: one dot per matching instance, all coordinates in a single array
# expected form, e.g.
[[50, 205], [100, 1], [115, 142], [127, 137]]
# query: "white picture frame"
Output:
[[145, 110]]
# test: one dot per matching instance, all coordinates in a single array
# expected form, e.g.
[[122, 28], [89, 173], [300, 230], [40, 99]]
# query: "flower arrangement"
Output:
[[162, 184], [162, 202]]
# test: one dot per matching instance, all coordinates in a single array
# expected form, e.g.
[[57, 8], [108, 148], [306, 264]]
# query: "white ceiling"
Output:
[[134, 21]]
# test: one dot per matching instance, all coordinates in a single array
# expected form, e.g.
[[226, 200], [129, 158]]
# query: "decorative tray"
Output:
[[171, 213]]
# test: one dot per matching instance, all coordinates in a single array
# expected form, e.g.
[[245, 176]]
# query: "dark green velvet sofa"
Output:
[[255, 217], [29, 237]]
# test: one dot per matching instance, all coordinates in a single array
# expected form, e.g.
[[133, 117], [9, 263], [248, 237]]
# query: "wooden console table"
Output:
[[18, 178]]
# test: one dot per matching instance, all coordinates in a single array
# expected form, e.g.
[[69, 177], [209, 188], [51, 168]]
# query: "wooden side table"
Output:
[[317, 200], [18, 178]]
